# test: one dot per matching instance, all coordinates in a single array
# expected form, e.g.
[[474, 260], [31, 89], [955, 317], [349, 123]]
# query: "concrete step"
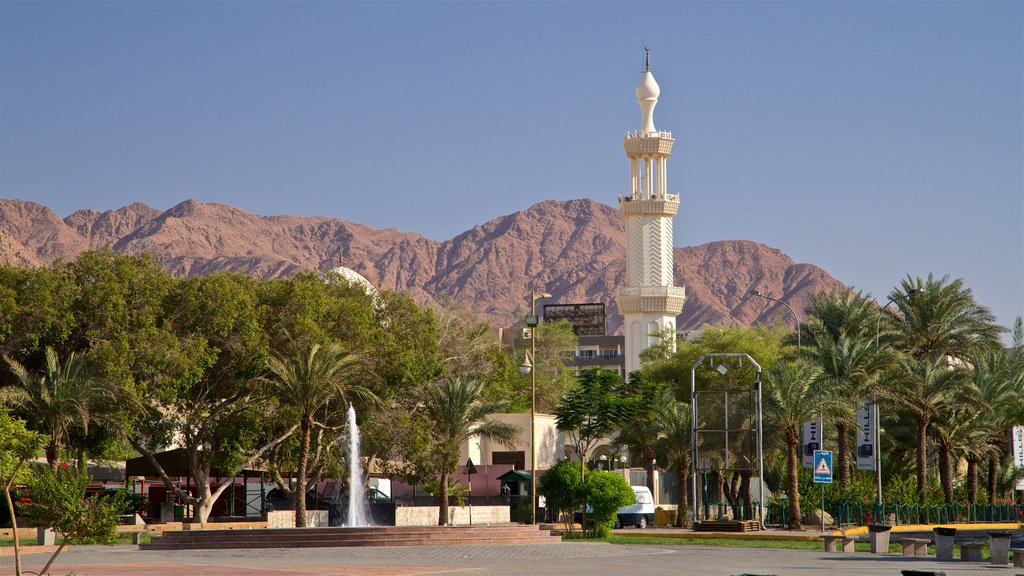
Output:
[[341, 537]]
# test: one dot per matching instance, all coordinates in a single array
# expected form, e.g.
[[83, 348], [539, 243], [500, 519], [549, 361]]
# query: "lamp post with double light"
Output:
[[788, 307], [529, 365], [875, 419]]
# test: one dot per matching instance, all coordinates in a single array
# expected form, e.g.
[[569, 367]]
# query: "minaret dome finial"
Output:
[[647, 59]]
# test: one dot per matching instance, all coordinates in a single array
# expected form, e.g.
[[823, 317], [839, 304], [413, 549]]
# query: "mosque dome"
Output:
[[354, 277]]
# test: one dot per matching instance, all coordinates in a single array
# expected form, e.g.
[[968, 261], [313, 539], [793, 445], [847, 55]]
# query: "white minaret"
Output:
[[648, 301]]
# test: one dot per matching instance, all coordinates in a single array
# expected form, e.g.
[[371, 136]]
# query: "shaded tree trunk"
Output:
[[53, 455], [792, 477], [744, 493], [683, 487], [442, 509], [306, 427], [922, 459], [842, 468], [972, 479], [946, 473], [993, 470]]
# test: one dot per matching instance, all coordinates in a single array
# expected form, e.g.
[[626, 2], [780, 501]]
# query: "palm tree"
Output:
[[961, 433], [942, 319], [790, 398], [672, 421], [920, 387], [310, 381], [60, 401], [840, 329], [1000, 381], [459, 411]]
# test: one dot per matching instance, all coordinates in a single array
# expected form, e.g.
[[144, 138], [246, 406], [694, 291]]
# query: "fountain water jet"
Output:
[[358, 509]]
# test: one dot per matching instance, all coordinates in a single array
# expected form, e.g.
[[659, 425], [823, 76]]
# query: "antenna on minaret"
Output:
[[647, 59]]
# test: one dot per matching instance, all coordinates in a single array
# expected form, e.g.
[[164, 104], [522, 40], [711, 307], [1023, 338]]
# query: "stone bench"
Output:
[[914, 546], [971, 551], [1018, 557], [840, 543]]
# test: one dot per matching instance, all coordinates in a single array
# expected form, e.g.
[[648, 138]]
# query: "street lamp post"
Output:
[[530, 365], [788, 307], [876, 419]]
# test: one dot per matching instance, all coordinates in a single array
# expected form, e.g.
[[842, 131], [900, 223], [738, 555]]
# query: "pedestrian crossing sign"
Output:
[[822, 467]]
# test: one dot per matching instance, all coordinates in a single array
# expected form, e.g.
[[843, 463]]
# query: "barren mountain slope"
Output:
[[573, 249]]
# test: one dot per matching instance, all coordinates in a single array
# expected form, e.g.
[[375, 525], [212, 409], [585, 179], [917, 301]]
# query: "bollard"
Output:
[[45, 536], [944, 539], [879, 538]]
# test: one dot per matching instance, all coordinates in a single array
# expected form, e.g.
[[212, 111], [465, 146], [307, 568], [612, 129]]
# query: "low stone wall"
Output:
[[427, 515], [286, 518]]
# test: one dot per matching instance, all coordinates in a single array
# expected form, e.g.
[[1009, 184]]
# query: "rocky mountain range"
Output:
[[573, 249]]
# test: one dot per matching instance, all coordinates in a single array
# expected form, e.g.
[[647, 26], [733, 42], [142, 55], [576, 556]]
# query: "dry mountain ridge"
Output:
[[573, 249]]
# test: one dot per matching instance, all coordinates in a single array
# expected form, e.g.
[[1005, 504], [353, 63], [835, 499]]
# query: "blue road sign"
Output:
[[822, 466]]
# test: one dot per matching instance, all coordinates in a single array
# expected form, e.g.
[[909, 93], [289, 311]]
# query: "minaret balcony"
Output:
[[648, 144], [666, 205], [662, 299]]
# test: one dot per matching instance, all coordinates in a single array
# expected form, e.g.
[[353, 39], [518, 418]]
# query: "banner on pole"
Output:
[[811, 442], [866, 436], [1017, 444]]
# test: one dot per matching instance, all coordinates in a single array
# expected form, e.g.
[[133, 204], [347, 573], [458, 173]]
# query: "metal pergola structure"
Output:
[[697, 432]]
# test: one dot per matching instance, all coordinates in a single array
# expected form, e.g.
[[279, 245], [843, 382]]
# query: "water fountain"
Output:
[[357, 509]]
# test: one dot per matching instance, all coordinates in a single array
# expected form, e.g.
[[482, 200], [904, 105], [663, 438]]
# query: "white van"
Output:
[[639, 514]]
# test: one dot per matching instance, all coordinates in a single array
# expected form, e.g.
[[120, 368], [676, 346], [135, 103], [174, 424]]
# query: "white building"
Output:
[[648, 301]]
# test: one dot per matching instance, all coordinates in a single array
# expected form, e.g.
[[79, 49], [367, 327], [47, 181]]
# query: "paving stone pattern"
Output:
[[569, 559]]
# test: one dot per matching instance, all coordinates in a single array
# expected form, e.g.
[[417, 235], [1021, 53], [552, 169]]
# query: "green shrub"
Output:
[[605, 493]]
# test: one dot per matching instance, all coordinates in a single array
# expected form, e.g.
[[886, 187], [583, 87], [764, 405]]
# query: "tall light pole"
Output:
[[530, 365], [876, 419], [788, 307]]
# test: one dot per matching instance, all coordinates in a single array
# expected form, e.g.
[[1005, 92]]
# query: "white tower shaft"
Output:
[[649, 302]]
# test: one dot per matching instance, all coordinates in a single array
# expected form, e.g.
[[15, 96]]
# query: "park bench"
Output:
[[838, 543], [914, 546], [971, 551]]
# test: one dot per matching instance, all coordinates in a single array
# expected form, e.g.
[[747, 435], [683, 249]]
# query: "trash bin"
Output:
[[879, 534], [999, 547], [944, 539]]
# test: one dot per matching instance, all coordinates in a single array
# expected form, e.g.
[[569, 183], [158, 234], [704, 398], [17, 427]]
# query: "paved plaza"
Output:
[[565, 559]]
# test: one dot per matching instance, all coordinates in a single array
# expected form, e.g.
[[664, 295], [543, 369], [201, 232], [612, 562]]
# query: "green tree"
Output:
[[35, 311], [208, 393], [17, 446], [791, 398], [763, 343], [458, 412], [555, 373], [599, 405], [59, 502], [62, 399], [312, 380]]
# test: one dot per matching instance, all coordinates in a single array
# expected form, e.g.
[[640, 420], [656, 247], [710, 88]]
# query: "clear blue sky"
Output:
[[874, 139]]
